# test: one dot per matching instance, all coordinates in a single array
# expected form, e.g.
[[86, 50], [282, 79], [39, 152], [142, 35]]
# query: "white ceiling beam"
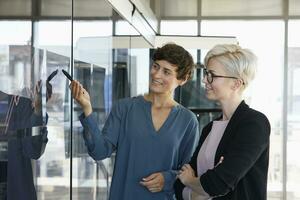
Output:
[[189, 42], [131, 13]]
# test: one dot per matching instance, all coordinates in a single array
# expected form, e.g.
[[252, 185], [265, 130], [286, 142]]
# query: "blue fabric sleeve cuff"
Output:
[[89, 123], [170, 177]]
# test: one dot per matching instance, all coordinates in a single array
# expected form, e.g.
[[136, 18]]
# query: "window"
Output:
[[171, 27], [267, 42], [293, 111]]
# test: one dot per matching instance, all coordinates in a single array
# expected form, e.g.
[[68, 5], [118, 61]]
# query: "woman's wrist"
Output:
[[87, 110], [194, 181], [196, 186]]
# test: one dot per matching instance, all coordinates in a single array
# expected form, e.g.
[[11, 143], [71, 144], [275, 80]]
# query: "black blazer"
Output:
[[245, 147]]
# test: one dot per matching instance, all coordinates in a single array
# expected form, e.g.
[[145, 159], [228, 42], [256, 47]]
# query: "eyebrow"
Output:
[[209, 70], [156, 63]]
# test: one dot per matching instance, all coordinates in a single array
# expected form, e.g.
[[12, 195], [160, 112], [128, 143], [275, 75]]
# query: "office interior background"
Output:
[[107, 46]]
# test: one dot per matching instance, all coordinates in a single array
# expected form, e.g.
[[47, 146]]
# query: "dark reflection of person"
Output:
[[17, 145], [152, 134]]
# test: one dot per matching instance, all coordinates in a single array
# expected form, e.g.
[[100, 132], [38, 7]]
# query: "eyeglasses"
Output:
[[210, 76]]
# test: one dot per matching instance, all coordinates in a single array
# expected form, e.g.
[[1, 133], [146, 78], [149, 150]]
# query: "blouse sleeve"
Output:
[[179, 186], [101, 144], [186, 149]]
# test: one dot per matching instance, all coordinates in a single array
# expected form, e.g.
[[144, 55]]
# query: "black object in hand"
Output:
[[48, 84], [50, 77], [67, 75]]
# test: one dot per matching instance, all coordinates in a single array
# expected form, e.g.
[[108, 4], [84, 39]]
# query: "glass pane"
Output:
[[293, 165], [15, 53], [26, 94], [93, 68], [20, 108], [121, 74], [241, 8], [15, 8], [192, 96], [15, 32], [124, 28], [268, 35], [140, 69], [52, 51], [45, 37], [294, 7], [170, 27]]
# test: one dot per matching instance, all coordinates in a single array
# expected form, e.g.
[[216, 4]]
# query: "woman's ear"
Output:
[[183, 81], [237, 84]]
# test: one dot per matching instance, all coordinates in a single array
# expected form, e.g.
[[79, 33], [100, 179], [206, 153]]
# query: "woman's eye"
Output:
[[167, 73]]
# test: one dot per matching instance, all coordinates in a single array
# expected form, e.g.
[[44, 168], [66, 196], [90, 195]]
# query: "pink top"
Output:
[[206, 155]]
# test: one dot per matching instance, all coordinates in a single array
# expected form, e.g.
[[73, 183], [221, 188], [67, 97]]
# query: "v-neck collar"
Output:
[[148, 110]]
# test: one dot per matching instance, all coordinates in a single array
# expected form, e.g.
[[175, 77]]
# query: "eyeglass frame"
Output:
[[212, 75]]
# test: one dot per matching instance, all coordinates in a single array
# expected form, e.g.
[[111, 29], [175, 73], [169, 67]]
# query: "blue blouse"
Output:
[[140, 149]]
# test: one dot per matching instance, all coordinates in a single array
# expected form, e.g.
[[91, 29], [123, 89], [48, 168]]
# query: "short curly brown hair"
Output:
[[178, 56]]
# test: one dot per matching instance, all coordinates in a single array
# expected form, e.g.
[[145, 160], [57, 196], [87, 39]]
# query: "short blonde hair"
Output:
[[238, 62]]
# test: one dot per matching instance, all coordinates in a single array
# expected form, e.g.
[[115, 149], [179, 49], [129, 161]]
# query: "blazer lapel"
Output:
[[228, 131]]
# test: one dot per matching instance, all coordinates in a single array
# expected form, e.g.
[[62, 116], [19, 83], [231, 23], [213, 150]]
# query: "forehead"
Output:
[[215, 66], [166, 65]]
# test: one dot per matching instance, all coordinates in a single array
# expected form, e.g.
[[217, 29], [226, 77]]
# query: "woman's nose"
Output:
[[156, 73]]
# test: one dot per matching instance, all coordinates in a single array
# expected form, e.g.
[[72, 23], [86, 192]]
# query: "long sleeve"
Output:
[[186, 149], [101, 144], [193, 162]]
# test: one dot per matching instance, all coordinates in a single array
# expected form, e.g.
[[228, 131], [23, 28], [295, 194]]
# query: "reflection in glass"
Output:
[[93, 68], [20, 141]]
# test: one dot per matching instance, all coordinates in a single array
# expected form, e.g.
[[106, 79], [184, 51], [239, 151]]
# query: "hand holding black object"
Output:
[[81, 96]]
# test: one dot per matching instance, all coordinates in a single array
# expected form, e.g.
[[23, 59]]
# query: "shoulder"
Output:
[[128, 103], [256, 115], [187, 115], [244, 113], [252, 118]]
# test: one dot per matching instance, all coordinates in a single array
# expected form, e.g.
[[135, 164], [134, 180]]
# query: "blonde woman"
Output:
[[231, 160]]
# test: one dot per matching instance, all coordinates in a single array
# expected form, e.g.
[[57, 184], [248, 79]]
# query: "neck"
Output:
[[229, 107], [160, 100]]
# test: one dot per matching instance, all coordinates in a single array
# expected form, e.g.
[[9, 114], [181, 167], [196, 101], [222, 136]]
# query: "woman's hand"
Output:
[[154, 183], [186, 174], [82, 97], [187, 177]]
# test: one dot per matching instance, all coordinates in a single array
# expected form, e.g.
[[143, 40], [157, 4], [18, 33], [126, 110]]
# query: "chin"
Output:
[[154, 90]]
